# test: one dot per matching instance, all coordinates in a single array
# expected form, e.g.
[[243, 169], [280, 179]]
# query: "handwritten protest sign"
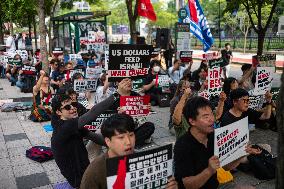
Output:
[[96, 125], [256, 102], [214, 77], [266, 60], [85, 85], [230, 141], [185, 56], [264, 77], [128, 61], [147, 169], [92, 73], [135, 105]]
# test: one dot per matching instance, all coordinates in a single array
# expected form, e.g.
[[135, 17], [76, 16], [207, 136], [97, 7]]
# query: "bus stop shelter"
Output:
[[72, 29]]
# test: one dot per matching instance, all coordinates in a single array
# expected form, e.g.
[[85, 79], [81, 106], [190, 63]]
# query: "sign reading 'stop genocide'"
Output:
[[231, 140], [148, 169], [128, 61]]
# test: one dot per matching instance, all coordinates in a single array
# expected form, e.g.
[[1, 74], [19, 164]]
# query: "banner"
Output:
[[135, 105], [266, 60], [147, 169], [264, 77], [92, 73], [214, 77], [230, 141], [256, 102], [128, 61], [185, 56], [96, 125], [85, 85]]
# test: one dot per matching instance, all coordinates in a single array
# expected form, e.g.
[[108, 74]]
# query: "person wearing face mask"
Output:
[[150, 86]]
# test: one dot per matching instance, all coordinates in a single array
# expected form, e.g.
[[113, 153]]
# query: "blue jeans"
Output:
[[20, 84]]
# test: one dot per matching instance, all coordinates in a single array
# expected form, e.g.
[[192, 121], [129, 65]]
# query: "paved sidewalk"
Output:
[[17, 134]]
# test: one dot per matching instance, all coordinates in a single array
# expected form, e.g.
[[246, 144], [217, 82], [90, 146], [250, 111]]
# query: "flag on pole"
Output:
[[198, 24], [145, 9]]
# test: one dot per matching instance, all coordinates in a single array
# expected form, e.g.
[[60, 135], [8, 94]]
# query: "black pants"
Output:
[[144, 132]]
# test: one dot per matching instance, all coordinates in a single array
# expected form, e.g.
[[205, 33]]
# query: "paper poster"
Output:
[[214, 81], [264, 77], [230, 141], [96, 125], [17, 63], [92, 73], [135, 105], [210, 56], [137, 85], [85, 85], [185, 56], [266, 60], [182, 38], [147, 169], [74, 57], [156, 51], [256, 102], [29, 70], [163, 81], [128, 61], [275, 93], [204, 94]]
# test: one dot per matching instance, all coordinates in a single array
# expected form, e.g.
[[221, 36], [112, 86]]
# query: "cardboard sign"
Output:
[[128, 61], [85, 85], [92, 73], [210, 56], [135, 105], [185, 56], [266, 60], [96, 125], [230, 141], [137, 85], [147, 169], [256, 102], [264, 77], [275, 93]]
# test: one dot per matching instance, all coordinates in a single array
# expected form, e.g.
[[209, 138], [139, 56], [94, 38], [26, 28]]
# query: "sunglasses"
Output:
[[69, 106]]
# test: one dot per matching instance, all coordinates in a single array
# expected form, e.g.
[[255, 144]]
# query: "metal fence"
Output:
[[270, 43]]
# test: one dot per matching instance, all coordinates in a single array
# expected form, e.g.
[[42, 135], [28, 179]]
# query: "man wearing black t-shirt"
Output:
[[227, 56], [194, 160], [240, 110]]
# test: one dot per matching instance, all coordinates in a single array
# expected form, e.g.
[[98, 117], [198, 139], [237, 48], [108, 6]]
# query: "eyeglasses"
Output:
[[244, 100], [69, 106]]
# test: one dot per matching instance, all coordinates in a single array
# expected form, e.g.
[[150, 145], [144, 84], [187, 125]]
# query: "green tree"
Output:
[[263, 10]]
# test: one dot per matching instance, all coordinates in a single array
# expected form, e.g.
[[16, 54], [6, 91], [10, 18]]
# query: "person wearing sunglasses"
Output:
[[67, 144], [240, 109]]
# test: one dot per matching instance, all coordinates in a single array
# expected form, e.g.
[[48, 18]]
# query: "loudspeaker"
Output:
[[163, 38]]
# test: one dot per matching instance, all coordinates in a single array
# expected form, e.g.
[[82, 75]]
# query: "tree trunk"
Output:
[[132, 25], [35, 34], [260, 41], [1, 29], [49, 35], [42, 33], [280, 127], [132, 16]]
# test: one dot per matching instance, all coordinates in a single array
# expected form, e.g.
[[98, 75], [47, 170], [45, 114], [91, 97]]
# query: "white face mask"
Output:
[[156, 69]]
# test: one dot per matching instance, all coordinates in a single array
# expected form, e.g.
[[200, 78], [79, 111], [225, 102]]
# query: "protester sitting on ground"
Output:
[[53, 65], [12, 72], [248, 78], [57, 78], [119, 134], [69, 151], [144, 129], [103, 90], [73, 95], [150, 86], [240, 109], [199, 77], [194, 160], [42, 95], [176, 71], [22, 79], [229, 84]]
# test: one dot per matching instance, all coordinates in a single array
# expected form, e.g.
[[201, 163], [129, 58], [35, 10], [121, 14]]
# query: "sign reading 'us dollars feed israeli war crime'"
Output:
[[148, 169], [128, 61], [135, 105], [230, 141]]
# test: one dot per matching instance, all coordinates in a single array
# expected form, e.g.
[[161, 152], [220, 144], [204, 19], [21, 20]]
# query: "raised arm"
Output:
[[36, 88], [177, 115], [220, 107]]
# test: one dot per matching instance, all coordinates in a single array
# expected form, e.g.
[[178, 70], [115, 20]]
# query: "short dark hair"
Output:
[[154, 62], [7, 32], [226, 44], [176, 60], [77, 76], [120, 123], [57, 100], [227, 85], [191, 107], [246, 67], [238, 93]]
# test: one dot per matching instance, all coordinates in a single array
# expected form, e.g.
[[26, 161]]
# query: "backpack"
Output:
[[263, 165], [39, 153]]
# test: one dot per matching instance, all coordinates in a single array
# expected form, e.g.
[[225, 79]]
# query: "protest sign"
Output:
[[256, 102], [74, 57], [147, 169], [204, 94], [135, 105], [92, 73], [85, 85], [185, 56], [163, 81], [23, 54], [230, 141], [275, 93], [128, 61], [81, 71], [96, 125], [266, 60], [264, 77], [214, 77], [29, 70], [156, 51], [182, 37], [210, 56], [17, 63], [137, 85]]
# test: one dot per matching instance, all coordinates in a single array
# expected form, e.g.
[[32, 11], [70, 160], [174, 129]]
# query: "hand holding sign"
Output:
[[213, 164], [124, 87]]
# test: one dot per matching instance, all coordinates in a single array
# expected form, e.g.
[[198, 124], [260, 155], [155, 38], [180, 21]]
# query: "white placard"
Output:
[[264, 77]]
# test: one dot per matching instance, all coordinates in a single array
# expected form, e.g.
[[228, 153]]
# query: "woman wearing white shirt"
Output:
[[104, 90]]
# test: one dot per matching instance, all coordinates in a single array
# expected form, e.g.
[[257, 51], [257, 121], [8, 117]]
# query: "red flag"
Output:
[[193, 10], [145, 9]]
